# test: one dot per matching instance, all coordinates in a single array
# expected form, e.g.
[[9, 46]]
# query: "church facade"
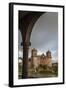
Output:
[[43, 59]]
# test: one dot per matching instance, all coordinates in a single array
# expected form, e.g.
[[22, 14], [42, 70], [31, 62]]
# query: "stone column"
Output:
[[25, 59]]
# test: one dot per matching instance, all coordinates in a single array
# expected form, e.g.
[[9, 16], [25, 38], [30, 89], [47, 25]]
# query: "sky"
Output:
[[44, 35]]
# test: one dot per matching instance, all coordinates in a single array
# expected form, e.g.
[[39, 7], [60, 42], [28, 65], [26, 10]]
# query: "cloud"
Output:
[[20, 53]]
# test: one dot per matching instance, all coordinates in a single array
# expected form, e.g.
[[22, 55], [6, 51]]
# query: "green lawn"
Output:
[[42, 71]]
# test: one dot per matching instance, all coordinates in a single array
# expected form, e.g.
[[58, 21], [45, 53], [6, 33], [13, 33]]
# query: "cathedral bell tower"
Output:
[[49, 58]]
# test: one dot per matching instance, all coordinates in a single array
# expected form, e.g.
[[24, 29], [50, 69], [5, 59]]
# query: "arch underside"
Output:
[[26, 23]]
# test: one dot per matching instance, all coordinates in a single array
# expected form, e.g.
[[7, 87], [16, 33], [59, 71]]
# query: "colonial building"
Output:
[[43, 59]]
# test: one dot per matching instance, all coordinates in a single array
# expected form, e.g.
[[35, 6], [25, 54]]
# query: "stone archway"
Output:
[[26, 23]]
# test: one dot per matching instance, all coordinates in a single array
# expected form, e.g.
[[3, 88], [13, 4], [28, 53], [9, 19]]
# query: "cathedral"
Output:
[[35, 60], [43, 59]]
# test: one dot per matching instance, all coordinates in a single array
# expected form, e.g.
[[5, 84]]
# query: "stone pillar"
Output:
[[25, 59]]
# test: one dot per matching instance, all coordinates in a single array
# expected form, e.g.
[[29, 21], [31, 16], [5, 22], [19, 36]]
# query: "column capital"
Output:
[[26, 44]]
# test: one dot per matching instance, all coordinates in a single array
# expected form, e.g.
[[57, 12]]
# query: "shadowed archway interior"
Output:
[[27, 19]]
